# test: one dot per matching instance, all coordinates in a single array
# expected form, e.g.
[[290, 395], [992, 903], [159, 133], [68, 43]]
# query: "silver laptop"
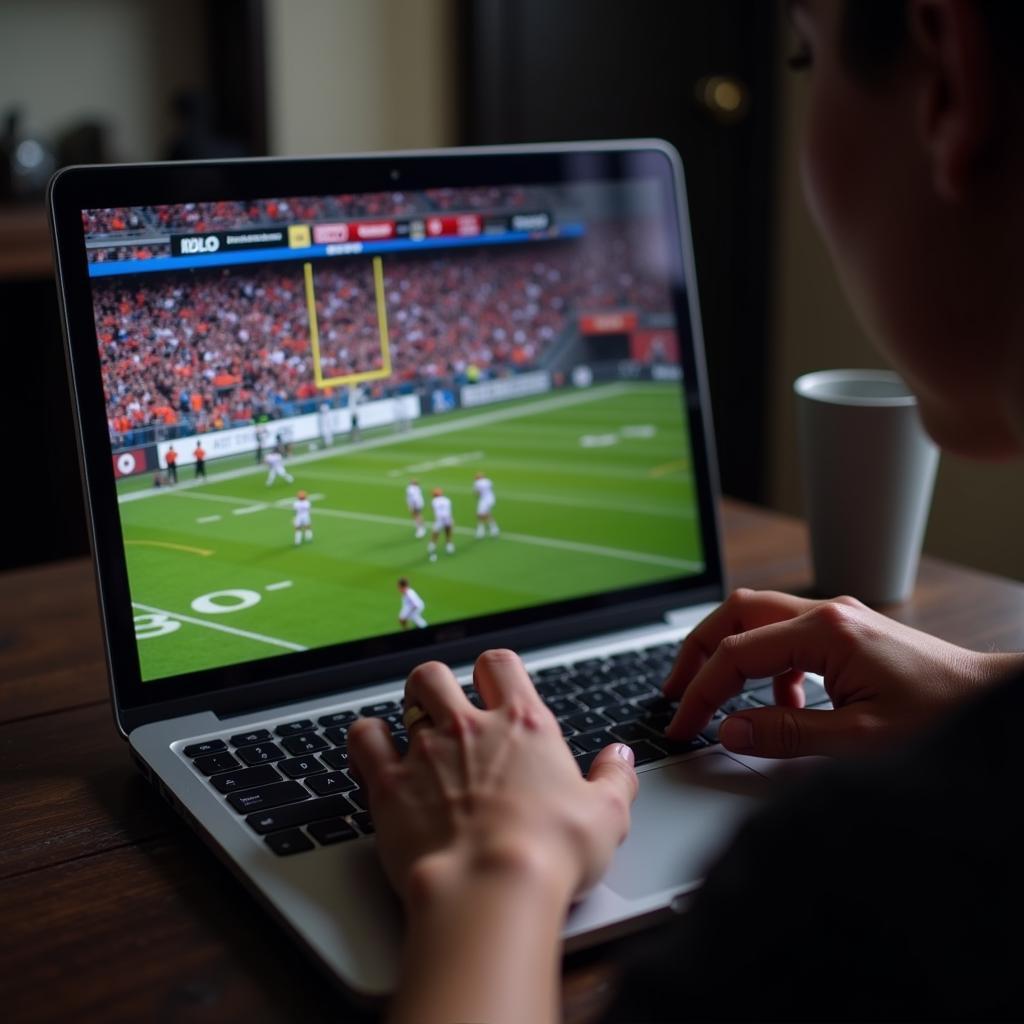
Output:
[[337, 416]]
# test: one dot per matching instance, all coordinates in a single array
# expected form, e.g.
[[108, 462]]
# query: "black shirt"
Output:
[[890, 889]]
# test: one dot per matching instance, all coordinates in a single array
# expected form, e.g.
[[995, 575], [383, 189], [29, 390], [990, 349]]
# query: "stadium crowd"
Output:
[[237, 214], [219, 348]]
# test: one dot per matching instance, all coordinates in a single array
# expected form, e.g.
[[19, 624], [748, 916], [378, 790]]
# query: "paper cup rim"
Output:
[[807, 385]]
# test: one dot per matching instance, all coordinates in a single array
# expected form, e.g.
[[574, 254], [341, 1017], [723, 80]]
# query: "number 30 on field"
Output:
[[217, 602]]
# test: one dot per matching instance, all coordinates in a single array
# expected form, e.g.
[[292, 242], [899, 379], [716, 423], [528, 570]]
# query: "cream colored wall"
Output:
[[977, 509], [358, 75]]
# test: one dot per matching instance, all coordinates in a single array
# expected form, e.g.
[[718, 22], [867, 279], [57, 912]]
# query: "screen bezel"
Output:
[[293, 676]]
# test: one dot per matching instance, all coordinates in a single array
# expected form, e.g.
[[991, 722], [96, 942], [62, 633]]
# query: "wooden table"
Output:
[[110, 908]]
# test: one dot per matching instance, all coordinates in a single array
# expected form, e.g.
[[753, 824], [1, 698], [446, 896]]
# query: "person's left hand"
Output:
[[479, 791]]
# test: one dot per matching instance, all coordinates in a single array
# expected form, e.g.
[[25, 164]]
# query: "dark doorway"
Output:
[[700, 74]]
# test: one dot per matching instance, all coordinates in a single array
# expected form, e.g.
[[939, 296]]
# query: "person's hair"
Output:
[[403, 582], [873, 34]]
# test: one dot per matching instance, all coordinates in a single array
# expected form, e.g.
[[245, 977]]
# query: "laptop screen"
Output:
[[371, 415]]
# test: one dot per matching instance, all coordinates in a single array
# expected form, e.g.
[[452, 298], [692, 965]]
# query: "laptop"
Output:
[[338, 416]]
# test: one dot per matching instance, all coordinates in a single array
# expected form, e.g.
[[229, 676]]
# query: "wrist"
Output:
[[994, 667], [502, 871]]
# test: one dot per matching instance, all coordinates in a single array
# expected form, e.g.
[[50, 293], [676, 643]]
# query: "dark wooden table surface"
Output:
[[110, 909]]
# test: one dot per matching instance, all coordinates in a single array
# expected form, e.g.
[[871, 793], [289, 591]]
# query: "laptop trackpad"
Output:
[[684, 814]]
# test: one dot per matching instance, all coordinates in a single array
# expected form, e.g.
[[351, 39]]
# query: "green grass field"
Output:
[[594, 491]]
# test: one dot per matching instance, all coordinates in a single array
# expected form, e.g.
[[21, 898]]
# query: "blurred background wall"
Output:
[[98, 79]]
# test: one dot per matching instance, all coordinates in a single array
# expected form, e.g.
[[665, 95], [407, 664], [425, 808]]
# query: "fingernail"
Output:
[[737, 734], [626, 753]]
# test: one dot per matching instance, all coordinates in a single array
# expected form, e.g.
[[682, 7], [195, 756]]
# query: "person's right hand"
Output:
[[885, 680]]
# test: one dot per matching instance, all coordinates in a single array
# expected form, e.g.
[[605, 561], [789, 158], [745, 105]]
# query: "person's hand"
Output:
[[481, 791], [885, 680]]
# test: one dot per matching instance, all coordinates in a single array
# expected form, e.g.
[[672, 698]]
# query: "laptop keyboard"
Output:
[[293, 786]]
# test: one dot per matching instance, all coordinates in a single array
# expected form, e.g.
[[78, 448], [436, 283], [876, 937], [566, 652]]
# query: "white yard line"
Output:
[[273, 641], [519, 538], [283, 585], [444, 462], [208, 519], [562, 401], [249, 511]]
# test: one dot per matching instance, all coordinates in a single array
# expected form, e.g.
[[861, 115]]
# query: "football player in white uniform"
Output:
[[412, 606], [442, 507], [275, 460], [484, 504], [414, 501], [303, 521]]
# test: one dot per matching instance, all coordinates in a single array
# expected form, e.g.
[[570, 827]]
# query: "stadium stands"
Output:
[[212, 349]]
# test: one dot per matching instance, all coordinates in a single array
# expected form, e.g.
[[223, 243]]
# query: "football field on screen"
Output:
[[594, 491]]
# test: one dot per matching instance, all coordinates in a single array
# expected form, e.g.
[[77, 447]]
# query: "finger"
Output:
[[613, 774], [798, 644], [502, 680], [371, 749], [434, 688], [789, 690], [741, 611], [794, 732]]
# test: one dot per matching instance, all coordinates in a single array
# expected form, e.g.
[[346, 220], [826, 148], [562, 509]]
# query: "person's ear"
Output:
[[953, 52]]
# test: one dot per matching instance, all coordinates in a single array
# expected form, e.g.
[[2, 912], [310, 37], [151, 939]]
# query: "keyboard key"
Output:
[[585, 761], [294, 728], [588, 742], [286, 843], [245, 778], [658, 723], [337, 718], [631, 732], [561, 706], [337, 758], [655, 704], [645, 753], [585, 721], [209, 747], [631, 690], [383, 707], [298, 814], [591, 666], [622, 712], [624, 658], [307, 743], [394, 720], [334, 830], [555, 689], [332, 782], [401, 741], [245, 739], [300, 767], [598, 697], [363, 822], [476, 700], [680, 746], [359, 798], [338, 735], [268, 796], [261, 753], [553, 672], [214, 763]]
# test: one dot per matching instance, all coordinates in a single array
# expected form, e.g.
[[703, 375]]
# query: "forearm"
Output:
[[486, 948]]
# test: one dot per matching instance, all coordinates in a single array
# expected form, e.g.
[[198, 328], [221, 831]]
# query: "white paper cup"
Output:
[[868, 472]]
